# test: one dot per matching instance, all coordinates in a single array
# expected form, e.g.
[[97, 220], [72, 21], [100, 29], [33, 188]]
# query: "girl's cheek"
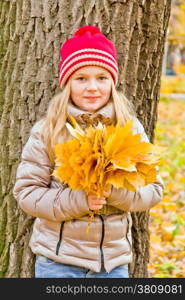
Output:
[[107, 92]]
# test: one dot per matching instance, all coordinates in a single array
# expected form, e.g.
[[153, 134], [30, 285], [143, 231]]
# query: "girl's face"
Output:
[[91, 87]]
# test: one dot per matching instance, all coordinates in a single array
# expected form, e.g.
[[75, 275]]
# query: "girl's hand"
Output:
[[107, 192], [95, 202]]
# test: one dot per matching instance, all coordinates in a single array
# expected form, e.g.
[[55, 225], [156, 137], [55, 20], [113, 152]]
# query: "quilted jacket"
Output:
[[61, 214]]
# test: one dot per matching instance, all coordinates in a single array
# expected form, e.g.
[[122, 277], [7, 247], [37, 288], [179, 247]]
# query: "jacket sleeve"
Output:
[[32, 188], [143, 198]]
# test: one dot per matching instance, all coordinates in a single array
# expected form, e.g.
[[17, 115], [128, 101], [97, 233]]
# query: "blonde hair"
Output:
[[123, 107], [54, 129]]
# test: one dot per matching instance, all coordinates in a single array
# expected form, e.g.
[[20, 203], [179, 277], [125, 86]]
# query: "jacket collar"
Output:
[[107, 111]]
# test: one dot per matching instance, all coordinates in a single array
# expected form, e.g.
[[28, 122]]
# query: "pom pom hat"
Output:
[[87, 47]]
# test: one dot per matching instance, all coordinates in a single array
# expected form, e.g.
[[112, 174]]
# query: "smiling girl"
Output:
[[88, 77], [91, 88]]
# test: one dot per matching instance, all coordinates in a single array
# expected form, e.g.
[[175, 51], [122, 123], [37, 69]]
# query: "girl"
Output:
[[63, 248]]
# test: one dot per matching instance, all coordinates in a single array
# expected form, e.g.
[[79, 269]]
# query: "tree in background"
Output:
[[31, 34]]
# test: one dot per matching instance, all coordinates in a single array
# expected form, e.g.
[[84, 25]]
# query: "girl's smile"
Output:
[[92, 98], [91, 87]]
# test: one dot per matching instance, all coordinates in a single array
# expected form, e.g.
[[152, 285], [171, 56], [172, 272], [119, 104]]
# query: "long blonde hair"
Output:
[[54, 129]]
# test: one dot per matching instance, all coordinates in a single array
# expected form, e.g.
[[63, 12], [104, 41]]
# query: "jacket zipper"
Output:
[[60, 237], [101, 242]]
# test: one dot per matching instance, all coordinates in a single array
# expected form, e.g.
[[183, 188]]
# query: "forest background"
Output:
[[167, 219]]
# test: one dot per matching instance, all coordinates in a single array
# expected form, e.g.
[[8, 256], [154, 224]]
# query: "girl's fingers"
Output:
[[106, 194], [96, 203], [94, 198], [99, 202], [96, 207]]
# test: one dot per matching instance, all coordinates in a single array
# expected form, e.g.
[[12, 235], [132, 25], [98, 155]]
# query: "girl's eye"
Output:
[[102, 78], [80, 78]]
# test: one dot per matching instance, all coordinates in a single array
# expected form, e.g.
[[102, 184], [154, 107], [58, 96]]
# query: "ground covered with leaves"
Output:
[[172, 84], [167, 219]]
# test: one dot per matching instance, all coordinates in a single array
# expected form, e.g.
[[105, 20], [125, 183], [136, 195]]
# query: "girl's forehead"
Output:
[[91, 70]]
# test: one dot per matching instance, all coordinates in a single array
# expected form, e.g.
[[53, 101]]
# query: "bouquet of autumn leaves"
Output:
[[100, 156]]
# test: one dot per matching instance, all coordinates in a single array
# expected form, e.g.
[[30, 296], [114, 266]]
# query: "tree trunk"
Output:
[[32, 32]]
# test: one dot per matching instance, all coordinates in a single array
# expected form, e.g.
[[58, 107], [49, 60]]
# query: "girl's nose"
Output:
[[92, 85]]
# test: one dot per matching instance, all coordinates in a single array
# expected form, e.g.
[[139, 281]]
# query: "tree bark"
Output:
[[32, 32]]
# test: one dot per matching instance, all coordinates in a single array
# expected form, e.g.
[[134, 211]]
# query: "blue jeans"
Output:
[[47, 268]]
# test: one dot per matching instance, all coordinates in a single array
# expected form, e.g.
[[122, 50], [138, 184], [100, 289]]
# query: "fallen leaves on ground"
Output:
[[172, 84], [167, 219]]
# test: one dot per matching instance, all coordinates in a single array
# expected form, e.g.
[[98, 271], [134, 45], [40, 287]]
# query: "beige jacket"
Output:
[[59, 230]]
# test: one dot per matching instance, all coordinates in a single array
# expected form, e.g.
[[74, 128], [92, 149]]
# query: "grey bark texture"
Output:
[[31, 33]]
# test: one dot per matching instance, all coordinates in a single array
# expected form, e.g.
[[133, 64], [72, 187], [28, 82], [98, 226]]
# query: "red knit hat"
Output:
[[88, 46]]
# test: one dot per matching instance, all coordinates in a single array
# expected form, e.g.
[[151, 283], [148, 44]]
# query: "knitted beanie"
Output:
[[87, 47]]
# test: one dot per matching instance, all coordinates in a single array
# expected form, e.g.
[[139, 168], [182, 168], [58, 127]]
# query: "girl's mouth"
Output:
[[93, 99]]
